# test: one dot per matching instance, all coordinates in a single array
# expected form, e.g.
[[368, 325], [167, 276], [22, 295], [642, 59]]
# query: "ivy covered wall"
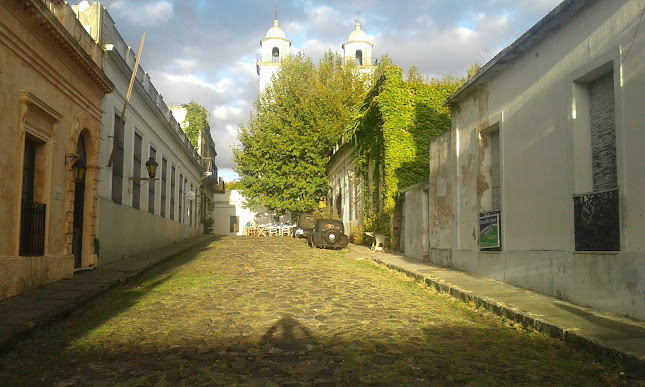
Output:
[[391, 134]]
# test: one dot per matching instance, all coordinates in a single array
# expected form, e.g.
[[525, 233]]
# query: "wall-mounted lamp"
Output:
[[151, 166], [202, 190], [79, 170], [78, 166]]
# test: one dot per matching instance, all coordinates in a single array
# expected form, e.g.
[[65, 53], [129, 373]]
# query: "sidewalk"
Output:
[[20, 314], [608, 335]]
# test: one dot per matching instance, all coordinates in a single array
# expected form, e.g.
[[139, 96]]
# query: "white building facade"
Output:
[[136, 214], [540, 182]]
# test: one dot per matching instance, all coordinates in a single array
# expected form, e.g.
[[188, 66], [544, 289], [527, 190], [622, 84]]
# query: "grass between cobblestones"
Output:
[[271, 311]]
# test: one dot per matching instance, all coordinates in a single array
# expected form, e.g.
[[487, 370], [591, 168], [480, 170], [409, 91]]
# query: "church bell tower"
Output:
[[273, 48]]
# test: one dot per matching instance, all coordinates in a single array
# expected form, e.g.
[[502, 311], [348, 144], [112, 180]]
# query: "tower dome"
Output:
[[275, 32], [358, 35]]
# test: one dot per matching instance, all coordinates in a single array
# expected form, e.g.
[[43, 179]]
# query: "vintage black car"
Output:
[[328, 233], [304, 226]]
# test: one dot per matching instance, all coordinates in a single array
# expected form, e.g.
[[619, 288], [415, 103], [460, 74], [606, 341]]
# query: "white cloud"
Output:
[[463, 33], [187, 81], [226, 112], [185, 64], [145, 14], [234, 130]]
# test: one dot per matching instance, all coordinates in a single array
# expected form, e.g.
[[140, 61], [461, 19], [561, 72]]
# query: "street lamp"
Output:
[[202, 190], [151, 166], [79, 170]]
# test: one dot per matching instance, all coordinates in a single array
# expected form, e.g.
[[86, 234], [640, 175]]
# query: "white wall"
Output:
[[532, 99]]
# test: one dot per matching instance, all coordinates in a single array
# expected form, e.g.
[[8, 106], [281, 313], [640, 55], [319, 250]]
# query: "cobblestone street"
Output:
[[271, 311]]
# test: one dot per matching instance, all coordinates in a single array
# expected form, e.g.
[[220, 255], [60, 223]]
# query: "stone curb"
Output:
[[631, 362], [15, 334]]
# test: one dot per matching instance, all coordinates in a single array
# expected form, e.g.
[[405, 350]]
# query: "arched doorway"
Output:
[[79, 204]]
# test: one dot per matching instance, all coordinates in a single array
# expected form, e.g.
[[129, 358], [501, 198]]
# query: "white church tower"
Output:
[[273, 48], [358, 49]]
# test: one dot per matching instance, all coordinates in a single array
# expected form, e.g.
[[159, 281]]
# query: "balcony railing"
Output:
[[32, 228], [596, 221]]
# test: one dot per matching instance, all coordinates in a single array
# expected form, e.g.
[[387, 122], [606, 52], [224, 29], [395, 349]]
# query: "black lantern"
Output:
[[151, 166], [202, 190], [79, 170]]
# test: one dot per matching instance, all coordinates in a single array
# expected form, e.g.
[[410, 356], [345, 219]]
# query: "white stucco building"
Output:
[[231, 215], [135, 214], [540, 181]]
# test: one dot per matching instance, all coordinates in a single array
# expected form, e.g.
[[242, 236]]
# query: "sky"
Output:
[[205, 50]]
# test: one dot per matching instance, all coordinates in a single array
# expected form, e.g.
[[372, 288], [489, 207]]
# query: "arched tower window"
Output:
[[275, 55], [359, 57]]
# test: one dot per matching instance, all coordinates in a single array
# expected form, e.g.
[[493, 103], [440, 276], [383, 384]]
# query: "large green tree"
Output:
[[288, 139]]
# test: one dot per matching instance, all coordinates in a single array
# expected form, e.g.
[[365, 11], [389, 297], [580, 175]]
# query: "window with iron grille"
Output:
[[172, 192], [117, 161], [596, 213], [192, 208], [152, 186], [32, 214], [180, 214], [136, 171], [164, 167]]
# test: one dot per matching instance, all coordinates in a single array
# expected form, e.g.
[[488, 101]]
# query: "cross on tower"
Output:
[[275, 10], [358, 15]]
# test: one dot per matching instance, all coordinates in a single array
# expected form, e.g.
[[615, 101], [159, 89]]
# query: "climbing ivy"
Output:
[[195, 122], [391, 132]]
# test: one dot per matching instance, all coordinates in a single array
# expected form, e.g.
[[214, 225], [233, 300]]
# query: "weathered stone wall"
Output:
[[50, 99], [535, 102]]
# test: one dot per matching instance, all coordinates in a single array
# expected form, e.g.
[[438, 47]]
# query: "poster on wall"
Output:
[[489, 231]]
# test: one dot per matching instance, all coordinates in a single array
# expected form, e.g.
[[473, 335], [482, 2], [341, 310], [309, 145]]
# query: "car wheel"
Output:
[[332, 237]]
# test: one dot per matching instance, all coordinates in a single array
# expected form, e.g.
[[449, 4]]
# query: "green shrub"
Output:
[[357, 235]]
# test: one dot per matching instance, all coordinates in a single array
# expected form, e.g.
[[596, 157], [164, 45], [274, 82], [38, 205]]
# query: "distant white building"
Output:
[[231, 215]]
